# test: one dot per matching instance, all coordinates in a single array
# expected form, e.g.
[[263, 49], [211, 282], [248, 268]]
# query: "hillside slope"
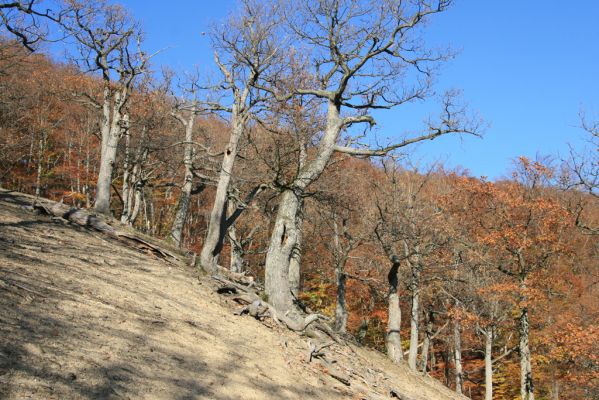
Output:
[[83, 316]]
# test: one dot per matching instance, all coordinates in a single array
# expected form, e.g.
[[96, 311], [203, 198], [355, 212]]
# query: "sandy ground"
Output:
[[84, 317]]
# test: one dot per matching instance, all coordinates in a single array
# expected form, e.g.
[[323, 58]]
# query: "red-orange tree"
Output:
[[522, 226]]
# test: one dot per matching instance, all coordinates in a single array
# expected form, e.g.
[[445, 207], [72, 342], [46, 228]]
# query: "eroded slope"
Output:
[[82, 316]]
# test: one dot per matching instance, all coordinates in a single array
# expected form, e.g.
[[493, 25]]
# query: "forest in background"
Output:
[[261, 170]]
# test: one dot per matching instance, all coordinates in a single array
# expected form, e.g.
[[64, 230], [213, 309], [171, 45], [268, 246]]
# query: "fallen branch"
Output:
[[401, 395], [6, 283], [334, 372], [316, 351], [235, 277], [84, 218]]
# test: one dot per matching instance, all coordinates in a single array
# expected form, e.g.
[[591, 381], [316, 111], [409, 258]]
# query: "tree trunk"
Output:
[[414, 316], [340, 308], [457, 356], [446, 354], [340, 257], [394, 351], [111, 134], [427, 341], [489, 364], [216, 226], [555, 389], [236, 264], [526, 382], [126, 192], [137, 201], [86, 186], [433, 356], [182, 210], [135, 189], [40, 165], [285, 234], [103, 185], [185, 196], [296, 255], [283, 243]]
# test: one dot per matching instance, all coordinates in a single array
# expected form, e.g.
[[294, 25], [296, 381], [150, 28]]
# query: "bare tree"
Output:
[[342, 234], [582, 173], [186, 113], [359, 51], [245, 50], [27, 21], [148, 123], [109, 43], [410, 226]]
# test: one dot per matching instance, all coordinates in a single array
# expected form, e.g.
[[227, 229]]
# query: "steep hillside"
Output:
[[83, 316]]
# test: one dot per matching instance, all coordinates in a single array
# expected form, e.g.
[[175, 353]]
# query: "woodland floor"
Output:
[[84, 317]]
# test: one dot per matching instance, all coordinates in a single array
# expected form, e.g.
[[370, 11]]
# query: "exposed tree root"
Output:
[[312, 325], [85, 218], [243, 290]]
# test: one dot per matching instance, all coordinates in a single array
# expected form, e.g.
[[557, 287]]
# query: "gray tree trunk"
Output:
[[236, 263], [126, 191], [489, 364], [40, 164], [340, 257], [185, 196], [216, 226], [285, 235], [103, 185], [457, 356], [427, 341], [393, 342], [555, 390], [296, 255], [394, 350], [414, 316], [134, 189], [111, 134], [283, 243], [340, 308], [137, 202], [526, 382]]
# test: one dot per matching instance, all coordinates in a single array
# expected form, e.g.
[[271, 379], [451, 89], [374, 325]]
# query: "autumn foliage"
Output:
[[487, 250]]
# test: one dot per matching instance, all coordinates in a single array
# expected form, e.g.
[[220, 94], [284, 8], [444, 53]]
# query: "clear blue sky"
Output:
[[527, 67]]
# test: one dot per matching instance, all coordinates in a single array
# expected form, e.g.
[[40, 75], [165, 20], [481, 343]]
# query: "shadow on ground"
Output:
[[83, 317]]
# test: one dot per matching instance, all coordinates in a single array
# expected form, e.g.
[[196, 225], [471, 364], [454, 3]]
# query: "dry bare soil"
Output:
[[83, 316]]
